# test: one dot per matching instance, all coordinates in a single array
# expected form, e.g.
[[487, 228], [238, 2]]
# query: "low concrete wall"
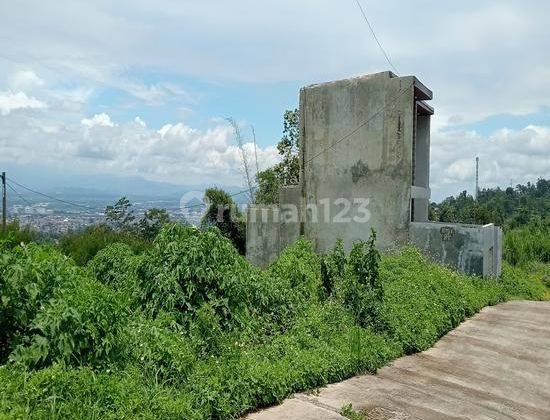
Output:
[[472, 249]]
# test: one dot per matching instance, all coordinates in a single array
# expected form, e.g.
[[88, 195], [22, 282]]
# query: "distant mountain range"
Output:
[[78, 186]]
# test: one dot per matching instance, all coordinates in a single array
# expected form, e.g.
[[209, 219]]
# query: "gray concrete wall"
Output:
[[271, 228], [472, 249], [371, 119], [262, 234]]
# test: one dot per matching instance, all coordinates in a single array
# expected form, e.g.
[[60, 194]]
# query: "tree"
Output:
[[121, 215], [286, 172], [151, 223], [223, 213]]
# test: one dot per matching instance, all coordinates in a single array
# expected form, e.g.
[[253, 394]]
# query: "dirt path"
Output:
[[494, 366]]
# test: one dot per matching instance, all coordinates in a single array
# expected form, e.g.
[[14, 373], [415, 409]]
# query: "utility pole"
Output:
[[477, 177], [4, 203]]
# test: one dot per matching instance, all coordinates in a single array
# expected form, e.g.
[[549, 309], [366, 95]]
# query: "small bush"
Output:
[[16, 235], [187, 268], [160, 348]]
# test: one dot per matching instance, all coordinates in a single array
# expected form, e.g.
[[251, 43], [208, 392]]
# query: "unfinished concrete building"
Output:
[[365, 154]]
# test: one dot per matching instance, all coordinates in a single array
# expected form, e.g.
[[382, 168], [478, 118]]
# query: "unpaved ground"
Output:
[[494, 366]]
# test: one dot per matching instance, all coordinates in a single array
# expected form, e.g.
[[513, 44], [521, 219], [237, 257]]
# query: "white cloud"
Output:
[[177, 153], [102, 120], [10, 101], [25, 79], [140, 122], [480, 58], [506, 156]]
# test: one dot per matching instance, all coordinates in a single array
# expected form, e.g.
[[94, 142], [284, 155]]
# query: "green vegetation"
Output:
[[121, 226], [187, 328], [510, 208], [348, 412], [84, 245], [15, 235], [286, 172], [522, 212], [223, 213]]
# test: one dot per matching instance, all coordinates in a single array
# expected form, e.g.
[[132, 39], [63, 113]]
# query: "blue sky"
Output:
[[141, 88]]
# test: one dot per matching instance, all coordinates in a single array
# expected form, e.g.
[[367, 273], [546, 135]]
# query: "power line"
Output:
[[18, 194], [375, 37], [48, 196]]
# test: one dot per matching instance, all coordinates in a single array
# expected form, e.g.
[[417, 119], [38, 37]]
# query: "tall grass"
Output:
[[527, 244]]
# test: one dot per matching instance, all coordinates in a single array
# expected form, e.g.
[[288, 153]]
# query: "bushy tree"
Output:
[[152, 221], [286, 172], [120, 215], [223, 213]]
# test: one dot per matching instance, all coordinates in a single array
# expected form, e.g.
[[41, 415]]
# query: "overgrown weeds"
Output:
[[188, 328]]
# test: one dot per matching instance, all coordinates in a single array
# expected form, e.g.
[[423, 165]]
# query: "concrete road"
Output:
[[496, 365]]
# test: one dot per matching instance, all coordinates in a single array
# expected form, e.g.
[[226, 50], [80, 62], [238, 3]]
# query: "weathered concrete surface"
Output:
[[493, 366], [373, 163], [472, 249]]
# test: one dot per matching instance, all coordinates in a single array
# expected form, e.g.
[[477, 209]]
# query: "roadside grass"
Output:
[[189, 329]]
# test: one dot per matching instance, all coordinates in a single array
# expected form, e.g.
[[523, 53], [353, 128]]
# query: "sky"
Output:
[[143, 88]]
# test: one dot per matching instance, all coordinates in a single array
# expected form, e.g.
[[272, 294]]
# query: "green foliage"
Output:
[[121, 215], [83, 246], [152, 221], [116, 265], [355, 280], [512, 207], [333, 266], [286, 172], [160, 348], [189, 329], [522, 211], [16, 235], [77, 326], [29, 276], [187, 267], [527, 244], [223, 213], [348, 412]]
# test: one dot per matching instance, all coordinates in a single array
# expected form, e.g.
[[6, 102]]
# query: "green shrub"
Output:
[[360, 288], [29, 276], [187, 267], [159, 348], [522, 284], [77, 326], [209, 335], [16, 235], [116, 265], [57, 392], [423, 300]]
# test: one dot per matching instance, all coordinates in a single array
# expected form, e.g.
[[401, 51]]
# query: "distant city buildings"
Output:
[[56, 220]]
